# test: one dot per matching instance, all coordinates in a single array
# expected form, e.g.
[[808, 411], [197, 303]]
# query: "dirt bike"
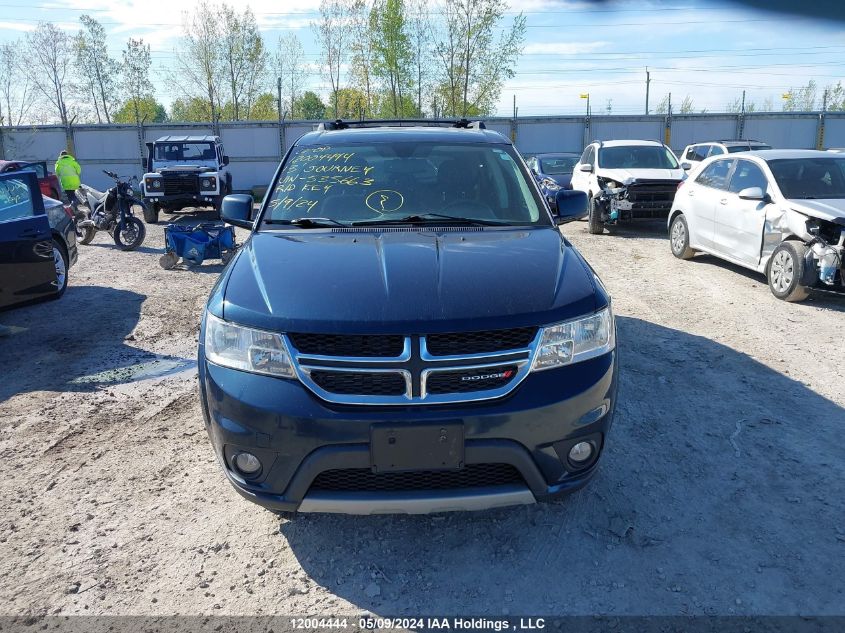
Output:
[[112, 211]]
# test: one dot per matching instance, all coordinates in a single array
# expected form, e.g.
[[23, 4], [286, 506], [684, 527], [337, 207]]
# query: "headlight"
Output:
[[574, 341], [244, 348], [153, 183], [209, 183], [550, 184]]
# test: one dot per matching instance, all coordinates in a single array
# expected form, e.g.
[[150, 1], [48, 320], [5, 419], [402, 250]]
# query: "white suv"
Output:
[[694, 154], [627, 180]]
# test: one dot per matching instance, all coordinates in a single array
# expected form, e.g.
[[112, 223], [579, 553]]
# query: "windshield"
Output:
[[556, 166], [184, 152], [810, 177], [391, 181], [637, 157], [733, 149]]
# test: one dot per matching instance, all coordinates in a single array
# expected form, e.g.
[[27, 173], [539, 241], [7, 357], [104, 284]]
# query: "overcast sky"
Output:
[[705, 49]]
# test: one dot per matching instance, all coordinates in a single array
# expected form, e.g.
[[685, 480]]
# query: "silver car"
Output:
[[779, 212]]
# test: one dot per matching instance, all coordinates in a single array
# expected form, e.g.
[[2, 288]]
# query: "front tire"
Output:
[[132, 235], [151, 212], [86, 234], [596, 226], [786, 271], [679, 238], [60, 259]]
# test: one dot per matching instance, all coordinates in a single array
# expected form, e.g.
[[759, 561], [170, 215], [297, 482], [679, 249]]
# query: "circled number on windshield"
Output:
[[385, 200]]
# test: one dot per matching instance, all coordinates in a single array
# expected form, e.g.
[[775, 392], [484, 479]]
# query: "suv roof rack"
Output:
[[340, 124], [736, 140]]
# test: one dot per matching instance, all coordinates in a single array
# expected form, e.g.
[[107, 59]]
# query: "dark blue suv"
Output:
[[406, 330]]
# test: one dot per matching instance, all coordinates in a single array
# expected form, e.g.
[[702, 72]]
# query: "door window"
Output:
[[15, 200], [746, 175], [715, 174], [715, 150]]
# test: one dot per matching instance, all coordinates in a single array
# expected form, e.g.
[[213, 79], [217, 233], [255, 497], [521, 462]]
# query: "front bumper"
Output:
[[182, 199], [297, 436]]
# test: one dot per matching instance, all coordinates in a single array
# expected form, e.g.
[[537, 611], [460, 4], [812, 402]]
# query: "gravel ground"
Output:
[[721, 491]]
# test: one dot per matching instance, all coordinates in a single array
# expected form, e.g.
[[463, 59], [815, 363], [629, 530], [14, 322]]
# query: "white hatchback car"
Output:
[[779, 212]]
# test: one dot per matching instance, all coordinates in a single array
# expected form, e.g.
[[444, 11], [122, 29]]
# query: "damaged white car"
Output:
[[779, 212], [626, 180]]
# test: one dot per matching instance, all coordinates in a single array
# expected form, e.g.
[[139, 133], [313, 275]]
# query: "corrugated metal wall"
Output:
[[256, 148]]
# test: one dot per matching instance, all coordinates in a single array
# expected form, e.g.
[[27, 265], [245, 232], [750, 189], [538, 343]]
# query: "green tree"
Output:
[[361, 49], [145, 109], [836, 97], [292, 69], [393, 56], [309, 106], [16, 93], [191, 109], [135, 76], [244, 59], [332, 33], [49, 49], [420, 37], [351, 103], [473, 64], [802, 99], [199, 60], [264, 108], [97, 72]]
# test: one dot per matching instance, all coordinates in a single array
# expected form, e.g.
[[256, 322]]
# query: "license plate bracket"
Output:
[[395, 448]]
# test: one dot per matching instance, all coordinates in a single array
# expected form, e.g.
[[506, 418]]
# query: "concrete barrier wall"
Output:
[[255, 148]]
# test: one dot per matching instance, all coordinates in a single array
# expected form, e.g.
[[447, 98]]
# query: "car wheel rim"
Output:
[[783, 271], [678, 236], [61, 270]]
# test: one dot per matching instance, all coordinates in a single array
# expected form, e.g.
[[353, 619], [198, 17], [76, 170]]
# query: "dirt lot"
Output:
[[722, 490]]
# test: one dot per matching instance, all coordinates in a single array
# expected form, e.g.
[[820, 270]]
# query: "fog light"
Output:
[[581, 452], [247, 463]]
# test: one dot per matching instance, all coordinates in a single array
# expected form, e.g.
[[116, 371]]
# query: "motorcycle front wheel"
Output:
[[86, 234], [131, 236]]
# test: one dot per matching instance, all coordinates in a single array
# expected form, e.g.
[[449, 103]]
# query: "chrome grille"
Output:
[[402, 370]]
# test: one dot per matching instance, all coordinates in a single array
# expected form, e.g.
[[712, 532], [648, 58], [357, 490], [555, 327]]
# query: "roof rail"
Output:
[[736, 140], [340, 124]]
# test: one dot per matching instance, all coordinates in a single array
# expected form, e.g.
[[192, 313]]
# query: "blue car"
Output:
[[37, 241], [406, 330], [553, 172]]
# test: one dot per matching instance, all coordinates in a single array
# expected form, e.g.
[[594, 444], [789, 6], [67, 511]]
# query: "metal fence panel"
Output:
[[254, 147]]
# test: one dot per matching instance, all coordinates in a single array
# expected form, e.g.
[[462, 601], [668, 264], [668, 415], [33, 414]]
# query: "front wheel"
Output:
[[596, 226], [86, 234], [151, 212], [131, 236], [61, 262], [786, 271], [679, 238]]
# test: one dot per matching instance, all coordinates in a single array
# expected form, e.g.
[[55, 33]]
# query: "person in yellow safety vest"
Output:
[[68, 171]]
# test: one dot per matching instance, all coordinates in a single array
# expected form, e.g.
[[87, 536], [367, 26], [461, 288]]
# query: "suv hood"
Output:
[[410, 282], [830, 210], [621, 175], [184, 168]]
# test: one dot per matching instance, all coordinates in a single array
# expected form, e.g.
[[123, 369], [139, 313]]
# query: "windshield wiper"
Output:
[[428, 218], [308, 222]]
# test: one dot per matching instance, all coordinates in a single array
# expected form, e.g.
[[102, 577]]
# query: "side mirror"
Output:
[[571, 205], [752, 193], [225, 160], [686, 166], [586, 167], [237, 210]]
